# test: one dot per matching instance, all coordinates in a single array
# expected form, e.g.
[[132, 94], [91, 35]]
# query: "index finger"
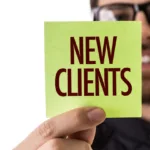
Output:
[[65, 124]]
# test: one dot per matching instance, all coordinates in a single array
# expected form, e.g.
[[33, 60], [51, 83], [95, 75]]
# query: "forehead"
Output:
[[105, 2]]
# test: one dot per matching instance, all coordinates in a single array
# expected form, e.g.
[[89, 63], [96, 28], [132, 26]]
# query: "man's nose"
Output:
[[145, 26]]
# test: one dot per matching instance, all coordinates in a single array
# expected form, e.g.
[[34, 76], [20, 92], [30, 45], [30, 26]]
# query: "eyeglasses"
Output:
[[121, 12]]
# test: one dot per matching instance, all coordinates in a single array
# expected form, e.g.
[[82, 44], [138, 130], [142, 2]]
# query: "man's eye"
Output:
[[122, 17]]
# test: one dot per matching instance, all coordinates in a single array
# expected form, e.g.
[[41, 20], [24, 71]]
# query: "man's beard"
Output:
[[146, 91], [146, 99]]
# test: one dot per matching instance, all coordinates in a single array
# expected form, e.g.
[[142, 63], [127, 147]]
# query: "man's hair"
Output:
[[93, 3]]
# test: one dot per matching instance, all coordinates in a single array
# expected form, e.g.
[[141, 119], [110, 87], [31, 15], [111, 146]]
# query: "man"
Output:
[[126, 134], [75, 130]]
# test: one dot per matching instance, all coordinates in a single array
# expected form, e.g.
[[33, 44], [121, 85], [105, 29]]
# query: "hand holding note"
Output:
[[73, 130]]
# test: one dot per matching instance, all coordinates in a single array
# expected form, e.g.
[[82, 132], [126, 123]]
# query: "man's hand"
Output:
[[73, 130]]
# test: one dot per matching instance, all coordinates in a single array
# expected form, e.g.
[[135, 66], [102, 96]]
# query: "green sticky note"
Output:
[[93, 64]]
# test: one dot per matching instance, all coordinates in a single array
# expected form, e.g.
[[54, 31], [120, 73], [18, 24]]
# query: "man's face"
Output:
[[127, 13]]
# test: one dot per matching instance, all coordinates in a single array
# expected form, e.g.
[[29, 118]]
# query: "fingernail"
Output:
[[96, 115]]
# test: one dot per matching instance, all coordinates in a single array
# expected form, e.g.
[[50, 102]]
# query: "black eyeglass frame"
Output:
[[136, 8]]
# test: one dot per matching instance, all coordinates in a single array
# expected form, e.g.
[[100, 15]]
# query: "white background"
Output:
[[22, 83]]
